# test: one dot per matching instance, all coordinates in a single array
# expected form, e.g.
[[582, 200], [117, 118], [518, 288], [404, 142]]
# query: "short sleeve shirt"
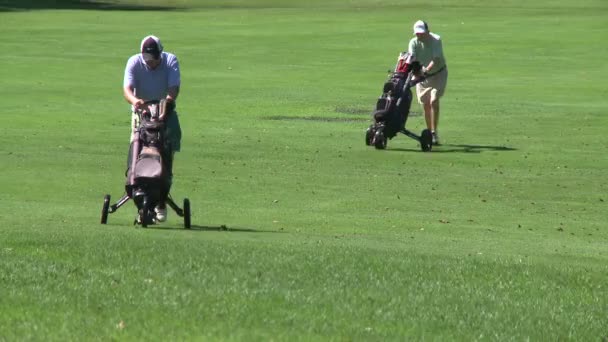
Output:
[[152, 84], [427, 51]]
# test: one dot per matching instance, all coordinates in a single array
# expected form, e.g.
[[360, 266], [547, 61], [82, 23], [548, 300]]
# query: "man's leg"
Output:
[[173, 135], [161, 207], [434, 107], [129, 159], [168, 165], [428, 115], [440, 83], [434, 103], [424, 99], [132, 138]]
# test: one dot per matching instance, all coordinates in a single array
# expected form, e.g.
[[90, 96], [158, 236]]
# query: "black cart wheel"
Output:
[[426, 140], [144, 212], [147, 217], [379, 140], [143, 217], [105, 209], [369, 136], [187, 213]]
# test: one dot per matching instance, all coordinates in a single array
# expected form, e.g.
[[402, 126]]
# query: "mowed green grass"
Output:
[[499, 234]]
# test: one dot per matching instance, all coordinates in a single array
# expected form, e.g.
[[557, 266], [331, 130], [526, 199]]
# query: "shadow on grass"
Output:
[[315, 118], [222, 228], [462, 148], [28, 5]]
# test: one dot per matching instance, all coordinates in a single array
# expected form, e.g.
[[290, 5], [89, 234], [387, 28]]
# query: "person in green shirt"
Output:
[[427, 49]]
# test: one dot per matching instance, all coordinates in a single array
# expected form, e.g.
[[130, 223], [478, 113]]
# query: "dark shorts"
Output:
[[174, 132]]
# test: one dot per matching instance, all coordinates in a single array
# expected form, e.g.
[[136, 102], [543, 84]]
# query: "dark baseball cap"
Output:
[[151, 48]]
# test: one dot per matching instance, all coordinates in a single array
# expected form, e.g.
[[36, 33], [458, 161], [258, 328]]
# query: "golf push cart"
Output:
[[149, 168], [393, 106]]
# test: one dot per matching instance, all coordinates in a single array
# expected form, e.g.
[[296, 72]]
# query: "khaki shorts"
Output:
[[433, 87], [173, 130]]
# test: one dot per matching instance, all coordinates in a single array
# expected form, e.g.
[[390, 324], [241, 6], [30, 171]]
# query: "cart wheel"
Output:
[[144, 213], [187, 213], [105, 209], [426, 140], [143, 217], [369, 136], [379, 140]]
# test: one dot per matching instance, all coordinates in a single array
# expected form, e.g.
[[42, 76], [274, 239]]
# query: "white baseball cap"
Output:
[[421, 27]]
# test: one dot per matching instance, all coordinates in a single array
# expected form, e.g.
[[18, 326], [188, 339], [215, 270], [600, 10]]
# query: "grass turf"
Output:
[[497, 234]]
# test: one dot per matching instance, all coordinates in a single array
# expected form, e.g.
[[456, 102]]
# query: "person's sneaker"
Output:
[[161, 212], [435, 138]]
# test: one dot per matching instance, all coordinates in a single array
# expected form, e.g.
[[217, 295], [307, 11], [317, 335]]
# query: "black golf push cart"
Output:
[[149, 170], [393, 107]]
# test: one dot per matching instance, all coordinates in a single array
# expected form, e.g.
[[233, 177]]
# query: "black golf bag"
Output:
[[149, 168], [393, 106], [150, 160]]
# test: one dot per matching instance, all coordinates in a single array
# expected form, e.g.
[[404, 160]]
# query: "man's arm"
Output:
[[172, 93], [129, 85], [428, 68], [174, 79], [411, 48], [131, 98], [437, 55]]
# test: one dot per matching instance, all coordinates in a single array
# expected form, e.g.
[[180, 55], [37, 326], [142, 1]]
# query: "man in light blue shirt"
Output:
[[153, 74]]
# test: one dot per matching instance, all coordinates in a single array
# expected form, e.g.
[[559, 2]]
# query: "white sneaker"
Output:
[[435, 138], [161, 213]]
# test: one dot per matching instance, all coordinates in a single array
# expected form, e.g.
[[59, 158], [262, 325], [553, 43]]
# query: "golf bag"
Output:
[[150, 160], [393, 106], [149, 167]]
